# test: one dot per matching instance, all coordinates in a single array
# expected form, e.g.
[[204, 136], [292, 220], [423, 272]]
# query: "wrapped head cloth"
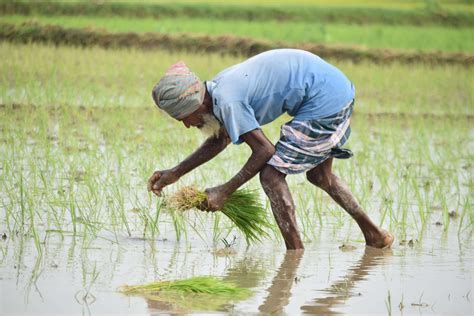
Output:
[[180, 92]]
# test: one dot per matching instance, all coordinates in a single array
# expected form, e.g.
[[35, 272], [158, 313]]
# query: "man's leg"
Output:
[[276, 188], [322, 177]]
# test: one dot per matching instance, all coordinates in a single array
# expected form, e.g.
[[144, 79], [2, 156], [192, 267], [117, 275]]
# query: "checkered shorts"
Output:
[[305, 144]]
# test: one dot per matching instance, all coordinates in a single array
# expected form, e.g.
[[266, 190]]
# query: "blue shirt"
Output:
[[260, 89]]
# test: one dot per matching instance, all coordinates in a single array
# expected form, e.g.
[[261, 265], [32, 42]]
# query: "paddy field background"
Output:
[[80, 136]]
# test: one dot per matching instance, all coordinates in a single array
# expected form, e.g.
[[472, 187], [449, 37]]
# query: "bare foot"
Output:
[[385, 242]]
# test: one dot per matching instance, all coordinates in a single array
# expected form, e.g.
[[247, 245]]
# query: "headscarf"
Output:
[[180, 92]]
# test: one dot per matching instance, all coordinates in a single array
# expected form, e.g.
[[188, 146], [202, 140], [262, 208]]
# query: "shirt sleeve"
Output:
[[238, 118]]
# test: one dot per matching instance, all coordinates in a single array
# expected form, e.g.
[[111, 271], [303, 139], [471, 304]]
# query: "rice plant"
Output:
[[242, 208]]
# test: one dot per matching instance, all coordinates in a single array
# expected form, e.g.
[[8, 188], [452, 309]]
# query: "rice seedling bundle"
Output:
[[242, 208], [197, 285], [198, 293]]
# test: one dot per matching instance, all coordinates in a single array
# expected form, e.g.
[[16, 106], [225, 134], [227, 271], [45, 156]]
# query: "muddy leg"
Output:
[[276, 188], [323, 177]]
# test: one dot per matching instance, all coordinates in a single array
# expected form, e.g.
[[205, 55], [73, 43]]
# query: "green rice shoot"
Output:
[[242, 208]]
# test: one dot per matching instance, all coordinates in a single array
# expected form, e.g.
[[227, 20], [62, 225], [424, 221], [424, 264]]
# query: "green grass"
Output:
[[427, 38], [99, 77], [369, 3], [357, 13], [404, 172], [398, 4]]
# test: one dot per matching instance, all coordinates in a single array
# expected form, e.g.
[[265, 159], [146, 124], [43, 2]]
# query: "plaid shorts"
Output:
[[305, 144]]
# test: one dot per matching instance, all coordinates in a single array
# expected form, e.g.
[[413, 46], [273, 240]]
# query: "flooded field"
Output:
[[433, 275], [77, 222], [80, 136]]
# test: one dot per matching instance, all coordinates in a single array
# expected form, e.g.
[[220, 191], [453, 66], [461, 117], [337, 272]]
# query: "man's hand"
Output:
[[208, 150], [216, 198], [160, 179]]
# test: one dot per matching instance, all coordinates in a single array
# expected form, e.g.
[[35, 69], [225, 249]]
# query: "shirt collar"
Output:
[[210, 85]]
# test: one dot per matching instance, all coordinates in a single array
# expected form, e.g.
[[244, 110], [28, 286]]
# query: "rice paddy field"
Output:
[[406, 37], [80, 136]]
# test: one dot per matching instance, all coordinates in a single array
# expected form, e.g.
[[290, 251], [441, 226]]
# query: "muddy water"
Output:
[[432, 275]]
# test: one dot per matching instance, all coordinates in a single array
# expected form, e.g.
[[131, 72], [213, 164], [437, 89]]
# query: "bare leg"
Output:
[[276, 188], [323, 177]]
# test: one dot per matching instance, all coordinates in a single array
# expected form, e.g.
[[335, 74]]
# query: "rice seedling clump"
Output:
[[196, 285], [242, 208], [186, 198], [198, 293]]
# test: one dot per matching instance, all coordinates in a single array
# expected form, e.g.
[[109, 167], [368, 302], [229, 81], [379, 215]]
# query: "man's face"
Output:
[[204, 121], [193, 120]]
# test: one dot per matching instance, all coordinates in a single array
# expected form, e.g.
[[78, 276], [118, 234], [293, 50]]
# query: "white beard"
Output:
[[211, 126]]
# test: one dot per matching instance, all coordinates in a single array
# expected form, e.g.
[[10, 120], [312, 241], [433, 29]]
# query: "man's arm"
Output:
[[208, 150], [262, 151]]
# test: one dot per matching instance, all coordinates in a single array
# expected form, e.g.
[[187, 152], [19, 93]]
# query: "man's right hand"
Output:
[[160, 179]]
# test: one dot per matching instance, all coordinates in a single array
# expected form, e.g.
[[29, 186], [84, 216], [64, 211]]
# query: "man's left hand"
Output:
[[216, 198]]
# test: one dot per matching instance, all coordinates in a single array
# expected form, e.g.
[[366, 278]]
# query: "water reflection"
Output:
[[246, 272], [342, 290], [157, 307], [280, 291]]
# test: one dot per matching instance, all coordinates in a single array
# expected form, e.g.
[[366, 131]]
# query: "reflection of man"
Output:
[[255, 92], [279, 292], [341, 290]]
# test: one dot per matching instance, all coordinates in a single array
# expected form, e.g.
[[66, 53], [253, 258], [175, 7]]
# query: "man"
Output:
[[240, 99]]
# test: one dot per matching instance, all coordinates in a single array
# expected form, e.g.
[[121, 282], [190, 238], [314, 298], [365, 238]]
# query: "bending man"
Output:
[[232, 107]]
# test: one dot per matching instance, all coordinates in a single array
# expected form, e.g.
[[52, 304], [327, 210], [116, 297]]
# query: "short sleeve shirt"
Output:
[[257, 91]]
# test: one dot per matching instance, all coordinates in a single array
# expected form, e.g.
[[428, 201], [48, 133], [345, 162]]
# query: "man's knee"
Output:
[[275, 186], [264, 175], [320, 179], [269, 176]]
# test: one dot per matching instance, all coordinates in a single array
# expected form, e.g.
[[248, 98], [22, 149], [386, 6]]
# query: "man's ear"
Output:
[[204, 108], [207, 102]]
